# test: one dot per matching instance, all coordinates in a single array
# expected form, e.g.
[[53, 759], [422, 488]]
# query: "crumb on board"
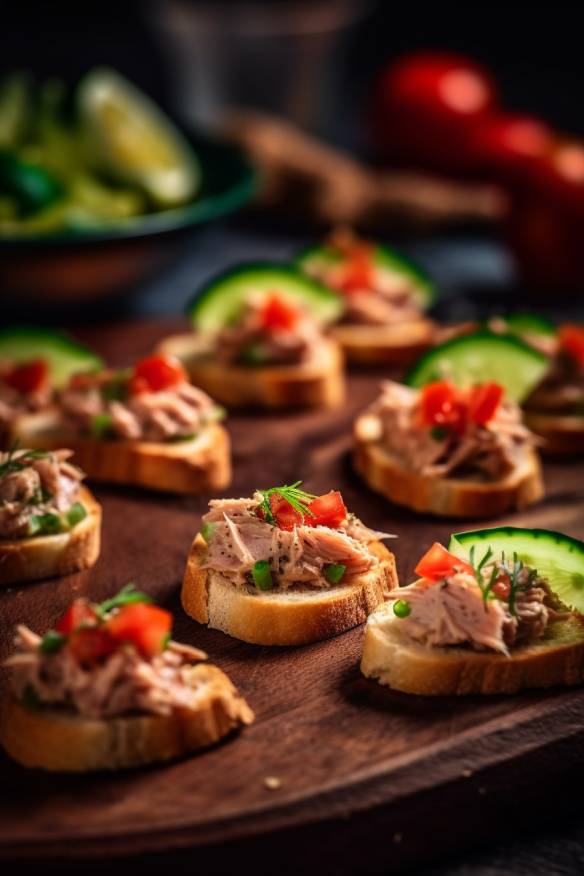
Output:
[[467, 774], [272, 783]]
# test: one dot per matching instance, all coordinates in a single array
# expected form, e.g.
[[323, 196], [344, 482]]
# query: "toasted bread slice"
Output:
[[294, 617], [59, 740], [318, 383], [200, 464], [445, 497], [402, 664], [389, 344], [562, 435], [47, 556]]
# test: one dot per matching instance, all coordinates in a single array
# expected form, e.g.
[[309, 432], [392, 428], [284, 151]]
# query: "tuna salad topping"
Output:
[[151, 402], [374, 294], [269, 330], [561, 392], [487, 604], [284, 537], [105, 660], [24, 388], [442, 430], [38, 493]]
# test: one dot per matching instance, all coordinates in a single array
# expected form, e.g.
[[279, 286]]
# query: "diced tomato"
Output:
[[358, 273], [438, 563], [328, 510], [156, 373], [91, 644], [79, 613], [502, 588], [483, 402], [571, 338], [28, 377], [81, 381], [441, 404], [285, 515], [277, 313], [143, 625]]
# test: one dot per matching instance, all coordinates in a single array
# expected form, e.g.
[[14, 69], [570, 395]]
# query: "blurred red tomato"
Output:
[[423, 105], [505, 145]]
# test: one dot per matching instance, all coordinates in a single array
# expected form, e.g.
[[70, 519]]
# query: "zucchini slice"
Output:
[[128, 136], [558, 558], [384, 258], [484, 356], [63, 355], [221, 299]]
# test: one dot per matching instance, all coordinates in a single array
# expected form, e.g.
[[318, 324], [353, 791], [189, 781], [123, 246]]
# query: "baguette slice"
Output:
[[58, 740], [445, 497], [390, 344], [402, 664], [48, 556], [202, 464], [295, 617], [318, 383], [563, 436]]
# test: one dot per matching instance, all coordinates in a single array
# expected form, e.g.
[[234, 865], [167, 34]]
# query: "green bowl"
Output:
[[88, 264]]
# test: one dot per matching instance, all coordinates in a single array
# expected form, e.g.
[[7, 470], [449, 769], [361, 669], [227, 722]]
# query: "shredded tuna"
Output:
[[34, 483]]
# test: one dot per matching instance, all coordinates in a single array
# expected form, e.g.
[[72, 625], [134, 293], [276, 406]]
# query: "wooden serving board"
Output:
[[364, 774]]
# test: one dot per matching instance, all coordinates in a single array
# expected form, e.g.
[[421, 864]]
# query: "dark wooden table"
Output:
[[370, 780]]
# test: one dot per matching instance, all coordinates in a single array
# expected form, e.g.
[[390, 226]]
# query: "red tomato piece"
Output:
[[327, 510], [91, 644], [285, 515], [438, 563], [143, 625], [483, 402], [506, 142], [358, 274], [571, 338], [79, 613], [442, 405], [277, 313], [156, 373], [28, 377]]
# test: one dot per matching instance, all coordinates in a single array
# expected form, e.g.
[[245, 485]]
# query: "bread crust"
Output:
[[444, 497], [58, 740], [293, 618], [202, 464], [389, 344], [48, 556], [319, 383], [395, 661], [562, 436]]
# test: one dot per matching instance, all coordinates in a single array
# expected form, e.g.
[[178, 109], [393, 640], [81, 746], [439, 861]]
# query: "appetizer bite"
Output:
[[285, 568], [555, 408], [258, 340], [34, 363], [498, 612], [385, 298], [145, 426], [108, 688], [49, 523]]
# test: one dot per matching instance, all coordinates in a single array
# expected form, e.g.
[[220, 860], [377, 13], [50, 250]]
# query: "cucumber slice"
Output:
[[558, 558], [384, 258], [63, 355], [128, 136], [481, 357], [530, 323], [220, 300], [32, 186]]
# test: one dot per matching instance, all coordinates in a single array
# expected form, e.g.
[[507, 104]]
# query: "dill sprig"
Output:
[[14, 463], [501, 567], [297, 498], [126, 596]]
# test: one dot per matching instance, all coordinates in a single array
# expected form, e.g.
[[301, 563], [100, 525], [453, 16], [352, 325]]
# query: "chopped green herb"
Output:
[[14, 463], [334, 572], [45, 524], [402, 608], [76, 514], [166, 641], [262, 575], [255, 355], [299, 499], [116, 389], [207, 530], [101, 425], [126, 596], [51, 642], [188, 437], [439, 433]]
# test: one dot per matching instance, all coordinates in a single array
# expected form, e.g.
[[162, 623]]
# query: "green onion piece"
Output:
[[216, 413], [76, 514], [207, 530], [334, 572], [51, 642], [190, 436], [402, 608], [439, 433], [101, 425], [166, 641], [30, 698], [255, 355], [45, 524], [117, 388], [262, 575]]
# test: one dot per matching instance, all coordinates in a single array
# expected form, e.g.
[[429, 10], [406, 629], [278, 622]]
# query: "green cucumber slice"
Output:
[[558, 558], [531, 323], [481, 357], [221, 299], [63, 355], [128, 135], [384, 257]]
